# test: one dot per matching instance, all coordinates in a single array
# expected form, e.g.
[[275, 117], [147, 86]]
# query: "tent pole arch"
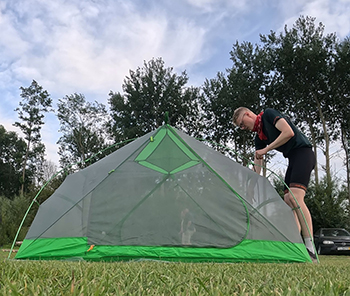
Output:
[[53, 177], [278, 177], [35, 198]]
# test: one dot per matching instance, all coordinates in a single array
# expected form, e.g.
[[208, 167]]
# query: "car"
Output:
[[332, 241]]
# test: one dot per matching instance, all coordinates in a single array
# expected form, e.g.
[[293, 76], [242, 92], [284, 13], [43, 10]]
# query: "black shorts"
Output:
[[301, 163]]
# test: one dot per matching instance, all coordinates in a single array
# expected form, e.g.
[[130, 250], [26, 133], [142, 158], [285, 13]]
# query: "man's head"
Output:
[[244, 118], [184, 212]]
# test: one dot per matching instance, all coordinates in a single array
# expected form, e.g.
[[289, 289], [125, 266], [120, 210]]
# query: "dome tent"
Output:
[[128, 206]]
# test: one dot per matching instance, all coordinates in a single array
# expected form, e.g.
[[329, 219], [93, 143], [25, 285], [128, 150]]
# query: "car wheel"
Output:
[[319, 250]]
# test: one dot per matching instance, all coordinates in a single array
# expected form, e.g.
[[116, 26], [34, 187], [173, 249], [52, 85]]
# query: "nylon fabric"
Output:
[[165, 196], [248, 251]]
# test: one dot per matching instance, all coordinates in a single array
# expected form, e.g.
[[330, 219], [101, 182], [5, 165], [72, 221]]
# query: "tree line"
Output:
[[300, 71]]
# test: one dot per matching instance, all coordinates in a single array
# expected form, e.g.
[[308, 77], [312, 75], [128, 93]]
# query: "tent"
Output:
[[165, 196]]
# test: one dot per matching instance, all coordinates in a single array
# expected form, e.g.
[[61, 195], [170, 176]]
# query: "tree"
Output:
[[83, 125], [48, 169], [149, 93], [302, 59], [340, 81], [217, 109], [328, 205], [35, 102], [243, 86], [12, 152], [11, 214]]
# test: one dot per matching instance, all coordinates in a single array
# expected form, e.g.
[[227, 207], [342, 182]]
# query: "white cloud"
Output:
[[7, 123], [88, 47], [11, 43], [333, 14], [211, 5]]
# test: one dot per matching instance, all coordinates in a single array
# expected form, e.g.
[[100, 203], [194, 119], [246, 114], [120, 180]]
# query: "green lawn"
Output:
[[330, 277]]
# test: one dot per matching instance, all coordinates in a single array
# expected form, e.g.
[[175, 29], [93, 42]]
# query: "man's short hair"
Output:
[[237, 113]]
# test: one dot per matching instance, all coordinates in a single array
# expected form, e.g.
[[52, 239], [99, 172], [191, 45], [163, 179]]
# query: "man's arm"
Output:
[[257, 165], [285, 135], [189, 224]]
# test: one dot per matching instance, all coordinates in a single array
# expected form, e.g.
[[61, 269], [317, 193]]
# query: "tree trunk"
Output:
[[314, 145], [326, 139], [346, 146], [24, 168]]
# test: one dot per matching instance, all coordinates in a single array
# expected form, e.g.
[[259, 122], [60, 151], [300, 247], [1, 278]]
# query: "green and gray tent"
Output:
[[128, 206]]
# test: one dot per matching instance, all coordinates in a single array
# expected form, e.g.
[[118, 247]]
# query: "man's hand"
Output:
[[259, 154]]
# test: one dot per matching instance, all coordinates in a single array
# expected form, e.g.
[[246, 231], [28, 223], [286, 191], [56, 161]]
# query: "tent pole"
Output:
[[54, 176], [272, 172], [26, 214]]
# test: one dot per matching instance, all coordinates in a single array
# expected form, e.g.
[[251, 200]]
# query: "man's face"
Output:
[[245, 121], [240, 121]]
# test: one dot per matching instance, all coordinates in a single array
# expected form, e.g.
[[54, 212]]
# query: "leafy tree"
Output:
[[12, 151], [217, 109], [48, 169], [83, 125], [11, 215], [302, 67], [340, 81], [328, 204], [278, 184], [50, 181], [35, 102], [149, 93], [243, 86]]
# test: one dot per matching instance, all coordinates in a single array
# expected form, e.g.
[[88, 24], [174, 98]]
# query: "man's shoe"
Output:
[[312, 256]]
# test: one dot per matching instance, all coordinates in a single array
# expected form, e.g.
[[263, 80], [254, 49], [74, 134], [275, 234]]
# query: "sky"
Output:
[[89, 46]]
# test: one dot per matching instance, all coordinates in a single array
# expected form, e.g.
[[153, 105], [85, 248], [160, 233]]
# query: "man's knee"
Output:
[[289, 200], [298, 195]]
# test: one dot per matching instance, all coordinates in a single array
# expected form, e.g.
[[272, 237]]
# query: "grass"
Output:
[[330, 277]]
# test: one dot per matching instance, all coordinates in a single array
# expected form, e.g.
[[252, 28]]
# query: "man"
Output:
[[187, 227], [275, 131]]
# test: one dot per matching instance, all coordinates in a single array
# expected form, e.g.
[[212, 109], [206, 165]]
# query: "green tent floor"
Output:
[[79, 249]]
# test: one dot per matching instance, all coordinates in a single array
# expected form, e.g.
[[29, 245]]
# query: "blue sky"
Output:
[[89, 46]]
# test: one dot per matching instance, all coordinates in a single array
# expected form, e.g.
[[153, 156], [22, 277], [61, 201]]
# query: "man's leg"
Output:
[[186, 238], [302, 215], [301, 163], [289, 200]]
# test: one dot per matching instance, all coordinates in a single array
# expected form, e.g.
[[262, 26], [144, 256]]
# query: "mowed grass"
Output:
[[330, 277]]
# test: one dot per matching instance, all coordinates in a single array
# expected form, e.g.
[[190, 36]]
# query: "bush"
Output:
[[11, 215], [328, 205]]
